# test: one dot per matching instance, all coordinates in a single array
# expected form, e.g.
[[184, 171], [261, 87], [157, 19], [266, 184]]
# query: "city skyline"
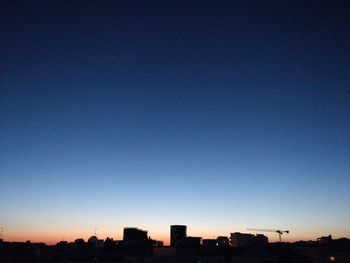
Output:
[[120, 233], [137, 246], [177, 234], [219, 115]]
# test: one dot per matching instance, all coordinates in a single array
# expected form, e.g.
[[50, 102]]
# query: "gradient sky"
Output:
[[219, 115]]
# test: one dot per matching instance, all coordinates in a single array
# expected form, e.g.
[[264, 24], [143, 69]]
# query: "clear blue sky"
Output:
[[218, 115]]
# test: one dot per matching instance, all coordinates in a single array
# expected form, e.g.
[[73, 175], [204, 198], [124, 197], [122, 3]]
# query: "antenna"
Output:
[[95, 232], [1, 231]]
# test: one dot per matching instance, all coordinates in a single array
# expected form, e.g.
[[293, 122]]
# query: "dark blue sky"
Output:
[[208, 113]]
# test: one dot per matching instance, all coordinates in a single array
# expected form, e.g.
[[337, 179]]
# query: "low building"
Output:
[[223, 241], [190, 242], [157, 243], [261, 239], [132, 234], [243, 239], [219, 242], [325, 240], [96, 242], [210, 243]]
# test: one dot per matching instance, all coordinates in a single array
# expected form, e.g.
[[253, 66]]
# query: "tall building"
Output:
[[177, 233], [134, 234]]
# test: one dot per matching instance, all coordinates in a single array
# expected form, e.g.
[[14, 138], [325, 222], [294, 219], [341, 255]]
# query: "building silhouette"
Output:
[[261, 239], [95, 241], [178, 233], [132, 234], [242, 239], [223, 241], [325, 239], [189, 242], [219, 242], [209, 243]]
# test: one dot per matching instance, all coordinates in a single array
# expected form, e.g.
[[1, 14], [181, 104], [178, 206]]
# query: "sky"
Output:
[[221, 115]]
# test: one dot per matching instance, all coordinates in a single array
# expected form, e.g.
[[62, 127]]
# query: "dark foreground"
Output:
[[300, 252]]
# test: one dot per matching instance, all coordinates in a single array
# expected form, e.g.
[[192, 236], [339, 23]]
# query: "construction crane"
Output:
[[279, 232]]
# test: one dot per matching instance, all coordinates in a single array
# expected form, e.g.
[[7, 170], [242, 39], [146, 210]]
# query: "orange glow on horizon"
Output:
[[54, 237]]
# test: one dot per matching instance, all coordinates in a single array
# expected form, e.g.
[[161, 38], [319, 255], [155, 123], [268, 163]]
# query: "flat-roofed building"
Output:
[[177, 233]]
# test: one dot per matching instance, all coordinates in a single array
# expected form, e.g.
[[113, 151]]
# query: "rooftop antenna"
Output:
[[95, 232], [1, 231]]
